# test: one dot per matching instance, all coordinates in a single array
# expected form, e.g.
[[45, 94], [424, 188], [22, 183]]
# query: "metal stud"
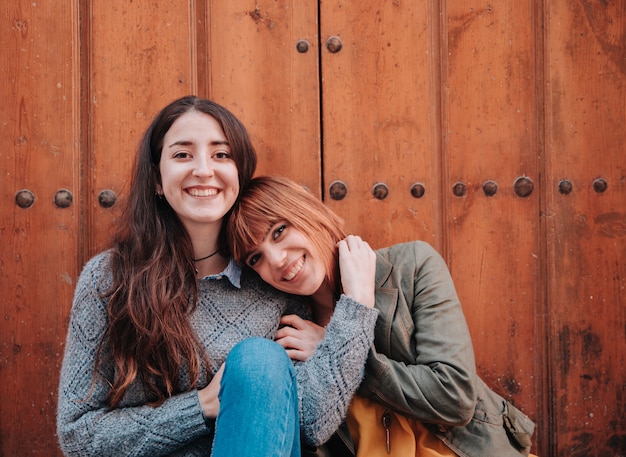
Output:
[[380, 190], [490, 188], [334, 44], [107, 198], [565, 186], [63, 198], [459, 189], [523, 186], [418, 190], [302, 46], [338, 190], [600, 185], [24, 198]]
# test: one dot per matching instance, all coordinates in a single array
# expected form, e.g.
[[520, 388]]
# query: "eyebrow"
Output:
[[188, 142]]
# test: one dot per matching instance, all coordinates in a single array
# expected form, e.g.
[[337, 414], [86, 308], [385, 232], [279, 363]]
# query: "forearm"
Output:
[[434, 393], [86, 426], [133, 431], [327, 380]]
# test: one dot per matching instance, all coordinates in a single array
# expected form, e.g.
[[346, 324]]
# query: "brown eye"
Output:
[[253, 259], [221, 155], [279, 231]]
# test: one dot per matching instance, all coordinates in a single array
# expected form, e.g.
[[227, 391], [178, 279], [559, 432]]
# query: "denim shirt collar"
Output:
[[232, 272]]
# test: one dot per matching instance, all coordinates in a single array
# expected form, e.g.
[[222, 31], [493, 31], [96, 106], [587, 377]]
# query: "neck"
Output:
[[211, 266], [323, 302], [206, 257]]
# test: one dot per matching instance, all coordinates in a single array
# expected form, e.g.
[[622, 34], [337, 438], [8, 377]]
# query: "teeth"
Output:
[[294, 270], [202, 192]]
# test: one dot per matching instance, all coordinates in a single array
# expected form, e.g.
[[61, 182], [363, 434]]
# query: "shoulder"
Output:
[[96, 273], [88, 316], [404, 263], [410, 253], [254, 286]]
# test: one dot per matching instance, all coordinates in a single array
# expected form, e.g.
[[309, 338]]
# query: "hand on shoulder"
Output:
[[357, 265]]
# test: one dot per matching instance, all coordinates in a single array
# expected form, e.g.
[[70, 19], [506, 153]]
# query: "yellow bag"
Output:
[[398, 436]]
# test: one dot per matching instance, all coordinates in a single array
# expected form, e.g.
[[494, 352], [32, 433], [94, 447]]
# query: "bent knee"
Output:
[[259, 356]]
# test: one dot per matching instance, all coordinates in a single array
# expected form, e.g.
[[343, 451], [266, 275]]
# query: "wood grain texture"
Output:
[[381, 117], [140, 57], [256, 71], [586, 229], [432, 93], [38, 257], [490, 108]]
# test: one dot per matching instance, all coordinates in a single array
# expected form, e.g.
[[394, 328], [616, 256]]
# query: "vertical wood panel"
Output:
[[38, 260], [490, 109], [586, 116], [256, 71], [141, 57], [381, 119]]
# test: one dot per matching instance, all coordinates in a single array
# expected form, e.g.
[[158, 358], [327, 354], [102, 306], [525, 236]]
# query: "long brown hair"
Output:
[[267, 201], [154, 287]]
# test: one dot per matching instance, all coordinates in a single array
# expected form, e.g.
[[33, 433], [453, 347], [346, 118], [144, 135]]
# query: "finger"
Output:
[[297, 355], [293, 320], [285, 332], [296, 345], [354, 240]]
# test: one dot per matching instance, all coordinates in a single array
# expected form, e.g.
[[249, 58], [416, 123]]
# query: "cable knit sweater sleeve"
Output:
[[329, 378], [85, 425]]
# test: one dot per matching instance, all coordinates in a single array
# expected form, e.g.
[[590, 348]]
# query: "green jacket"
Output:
[[422, 362]]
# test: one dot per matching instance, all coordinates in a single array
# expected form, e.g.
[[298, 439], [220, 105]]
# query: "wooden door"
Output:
[[443, 96], [494, 131], [585, 226], [40, 216]]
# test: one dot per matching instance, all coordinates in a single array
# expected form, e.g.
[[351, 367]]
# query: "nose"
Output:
[[203, 166], [275, 257]]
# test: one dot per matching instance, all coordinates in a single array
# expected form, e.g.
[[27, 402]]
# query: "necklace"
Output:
[[204, 258]]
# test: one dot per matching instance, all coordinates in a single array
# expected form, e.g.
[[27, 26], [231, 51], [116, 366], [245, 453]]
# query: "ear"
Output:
[[159, 190]]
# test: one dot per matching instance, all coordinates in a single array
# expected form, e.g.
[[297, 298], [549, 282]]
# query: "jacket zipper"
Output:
[[386, 419]]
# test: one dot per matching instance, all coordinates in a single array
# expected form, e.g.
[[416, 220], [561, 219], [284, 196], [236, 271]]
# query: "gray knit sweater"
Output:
[[225, 315]]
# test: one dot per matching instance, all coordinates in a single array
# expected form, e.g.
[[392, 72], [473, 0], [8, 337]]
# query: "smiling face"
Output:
[[288, 260], [198, 174]]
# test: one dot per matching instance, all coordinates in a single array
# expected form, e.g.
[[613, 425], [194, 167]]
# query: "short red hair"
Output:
[[266, 201]]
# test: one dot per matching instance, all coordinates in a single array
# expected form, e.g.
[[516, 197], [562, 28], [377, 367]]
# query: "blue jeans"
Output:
[[259, 414]]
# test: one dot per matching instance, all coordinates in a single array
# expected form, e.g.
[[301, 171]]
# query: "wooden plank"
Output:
[[140, 57], [585, 137], [380, 99], [490, 124], [256, 70], [38, 255]]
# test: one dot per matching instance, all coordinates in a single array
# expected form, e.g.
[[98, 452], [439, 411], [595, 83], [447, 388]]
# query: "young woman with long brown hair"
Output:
[[169, 348]]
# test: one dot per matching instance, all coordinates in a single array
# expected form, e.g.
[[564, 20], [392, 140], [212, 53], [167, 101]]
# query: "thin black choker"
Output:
[[204, 258]]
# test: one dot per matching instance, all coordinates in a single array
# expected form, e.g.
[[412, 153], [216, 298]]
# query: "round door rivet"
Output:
[[600, 185], [459, 189], [337, 190], [334, 44], [418, 190], [380, 190], [107, 198], [24, 198], [490, 188], [523, 186], [565, 187], [63, 198], [302, 46]]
